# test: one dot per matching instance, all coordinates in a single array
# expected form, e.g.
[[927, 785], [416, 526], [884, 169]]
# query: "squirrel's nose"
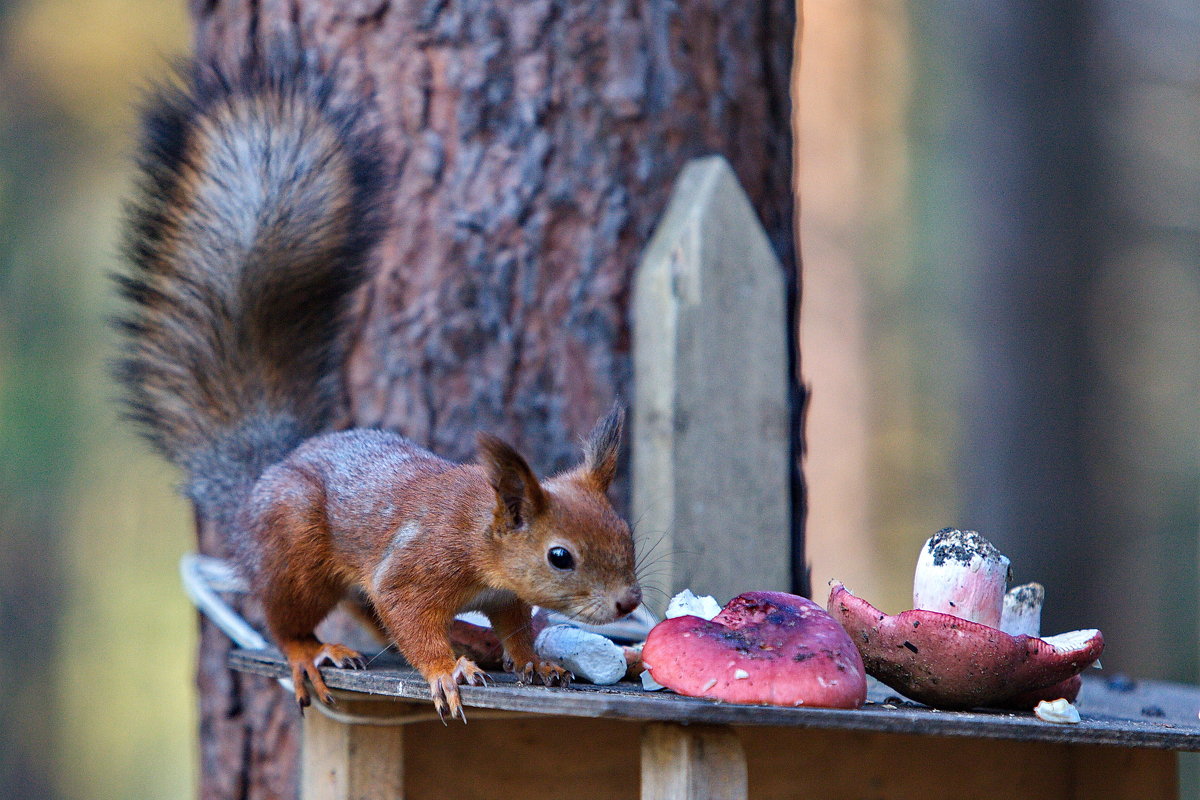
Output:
[[627, 602]]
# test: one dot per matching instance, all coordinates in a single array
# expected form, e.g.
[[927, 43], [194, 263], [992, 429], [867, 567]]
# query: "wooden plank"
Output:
[[785, 764], [350, 762], [1177, 729], [692, 762], [598, 759], [534, 757], [1149, 774], [711, 389]]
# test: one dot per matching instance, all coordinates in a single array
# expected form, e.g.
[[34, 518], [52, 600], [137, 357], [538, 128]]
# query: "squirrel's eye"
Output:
[[559, 558]]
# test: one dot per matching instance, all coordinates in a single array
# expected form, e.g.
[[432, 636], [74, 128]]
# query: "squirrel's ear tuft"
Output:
[[519, 496], [602, 447]]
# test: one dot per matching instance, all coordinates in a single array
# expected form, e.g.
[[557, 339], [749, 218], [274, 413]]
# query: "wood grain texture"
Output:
[[531, 146], [544, 757], [712, 492], [693, 762], [796, 764], [351, 762]]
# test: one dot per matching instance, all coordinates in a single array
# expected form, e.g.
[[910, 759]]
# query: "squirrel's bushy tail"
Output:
[[257, 205]]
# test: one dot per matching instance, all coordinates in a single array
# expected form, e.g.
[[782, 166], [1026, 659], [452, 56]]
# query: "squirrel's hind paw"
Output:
[[468, 673], [340, 656], [305, 668], [443, 689], [304, 656]]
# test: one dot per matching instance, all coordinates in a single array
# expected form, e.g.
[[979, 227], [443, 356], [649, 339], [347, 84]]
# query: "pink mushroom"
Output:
[[763, 647], [949, 662]]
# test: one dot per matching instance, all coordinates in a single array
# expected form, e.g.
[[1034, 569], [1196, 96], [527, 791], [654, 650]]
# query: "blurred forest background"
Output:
[[1000, 220]]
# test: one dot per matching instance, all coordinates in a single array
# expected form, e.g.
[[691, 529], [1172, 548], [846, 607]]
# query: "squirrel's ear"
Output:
[[519, 496], [602, 446]]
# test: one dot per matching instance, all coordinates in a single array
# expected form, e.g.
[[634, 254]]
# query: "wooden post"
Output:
[[711, 480], [692, 762], [344, 761]]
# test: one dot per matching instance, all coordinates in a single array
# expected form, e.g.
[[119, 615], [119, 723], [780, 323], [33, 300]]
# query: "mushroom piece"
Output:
[[953, 663], [589, 656], [961, 573], [1022, 612], [763, 647], [477, 643]]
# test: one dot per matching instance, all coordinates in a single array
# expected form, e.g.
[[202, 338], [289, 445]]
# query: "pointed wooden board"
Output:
[[711, 424]]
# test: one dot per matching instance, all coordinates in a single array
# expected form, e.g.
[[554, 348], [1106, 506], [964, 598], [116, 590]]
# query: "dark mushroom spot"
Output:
[[961, 546]]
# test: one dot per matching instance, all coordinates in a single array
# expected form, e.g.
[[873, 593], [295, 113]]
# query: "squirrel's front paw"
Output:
[[547, 672], [554, 675]]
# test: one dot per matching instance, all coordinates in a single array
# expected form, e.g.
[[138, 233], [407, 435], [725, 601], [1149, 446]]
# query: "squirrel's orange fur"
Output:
[[258, 204]]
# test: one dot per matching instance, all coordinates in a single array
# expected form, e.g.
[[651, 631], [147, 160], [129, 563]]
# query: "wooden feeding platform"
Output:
[[383, 740]]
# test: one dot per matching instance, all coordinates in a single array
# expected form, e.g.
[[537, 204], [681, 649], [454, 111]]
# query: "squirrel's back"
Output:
[[257, 205]]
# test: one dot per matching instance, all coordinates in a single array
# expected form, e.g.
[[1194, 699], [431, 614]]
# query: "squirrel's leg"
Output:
[[421, 631], [295, 600], [291, 619], [512, 623]]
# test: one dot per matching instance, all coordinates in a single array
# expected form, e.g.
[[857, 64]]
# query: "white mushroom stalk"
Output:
[[962, 574], [589, 656], [1022, 612]]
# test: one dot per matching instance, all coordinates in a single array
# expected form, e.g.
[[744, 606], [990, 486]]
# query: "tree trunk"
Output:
[[533, 147]]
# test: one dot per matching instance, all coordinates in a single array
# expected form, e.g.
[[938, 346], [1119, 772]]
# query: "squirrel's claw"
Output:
[[524, 674], [302, 669], [554, 675], [340, 656], [355, 661], [468, 673], [546, 672], [304, 656], [443, 690]]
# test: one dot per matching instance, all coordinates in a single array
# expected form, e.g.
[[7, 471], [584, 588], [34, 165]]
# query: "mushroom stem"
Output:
[[592, 657], [962, 574], [1023, 610]]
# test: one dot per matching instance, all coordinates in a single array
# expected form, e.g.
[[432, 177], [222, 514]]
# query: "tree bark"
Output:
[[533, 146]]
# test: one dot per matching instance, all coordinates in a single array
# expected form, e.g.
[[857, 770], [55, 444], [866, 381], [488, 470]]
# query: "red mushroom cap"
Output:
[[764, 647], [948, 662], [1068, 689]]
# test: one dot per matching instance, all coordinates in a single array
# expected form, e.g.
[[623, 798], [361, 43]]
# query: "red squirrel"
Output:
[[258, 204]]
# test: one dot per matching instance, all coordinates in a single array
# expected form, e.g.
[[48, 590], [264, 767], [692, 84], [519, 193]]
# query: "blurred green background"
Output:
[[97, 658], [1001, 230]]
